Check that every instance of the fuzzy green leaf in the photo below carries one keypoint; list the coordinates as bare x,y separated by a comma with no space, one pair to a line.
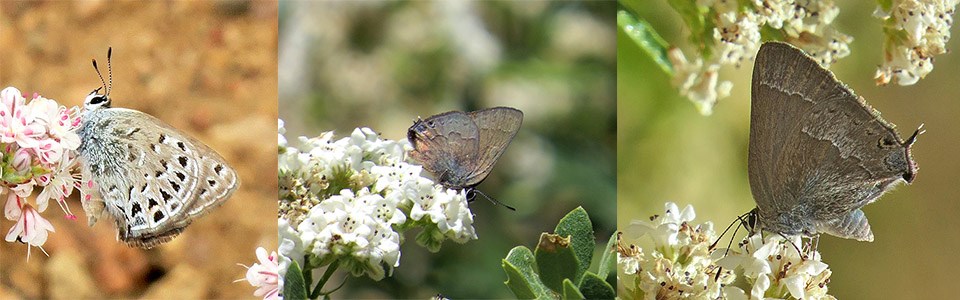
608,262
570,291
596,287
578,227
294,286
556,260
522,278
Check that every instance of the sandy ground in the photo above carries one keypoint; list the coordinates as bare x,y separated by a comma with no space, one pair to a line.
207,68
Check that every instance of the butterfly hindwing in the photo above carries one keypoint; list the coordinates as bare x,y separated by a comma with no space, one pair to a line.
152,178
497,127
818,152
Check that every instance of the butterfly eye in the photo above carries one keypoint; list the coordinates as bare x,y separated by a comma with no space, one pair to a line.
98,99
886,142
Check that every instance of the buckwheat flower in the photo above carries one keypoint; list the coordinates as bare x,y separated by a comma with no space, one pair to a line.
737,36
345,203
678,265
777,269
38,146
265,275
31,228
291,247
698,82
915,32
16,120
356,229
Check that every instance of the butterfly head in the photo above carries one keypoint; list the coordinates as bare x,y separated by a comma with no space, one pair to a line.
95,99
421,130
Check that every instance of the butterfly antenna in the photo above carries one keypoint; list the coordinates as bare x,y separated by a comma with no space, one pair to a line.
913,138
102,82
495,202
742,223
109,72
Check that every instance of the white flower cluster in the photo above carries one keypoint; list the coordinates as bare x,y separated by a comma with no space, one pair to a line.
349,200
679,264
915,30
682,265
776,268
804,23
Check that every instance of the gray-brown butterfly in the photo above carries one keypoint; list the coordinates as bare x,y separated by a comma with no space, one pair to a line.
818,152
460,148
151,178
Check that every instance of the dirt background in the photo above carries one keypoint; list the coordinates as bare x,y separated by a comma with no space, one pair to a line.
207,68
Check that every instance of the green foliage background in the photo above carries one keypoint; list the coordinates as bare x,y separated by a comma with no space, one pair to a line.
668,152
383,64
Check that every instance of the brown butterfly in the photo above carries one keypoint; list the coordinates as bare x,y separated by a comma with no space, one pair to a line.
460,148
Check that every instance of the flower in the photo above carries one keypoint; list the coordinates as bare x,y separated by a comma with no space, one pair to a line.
356,228
348,201
735,30
682,264
265,275
778,268
679,265
915,32
31,228
38,143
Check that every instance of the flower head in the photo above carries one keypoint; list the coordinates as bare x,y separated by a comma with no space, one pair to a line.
38,146
779,268
678,265
348,200
915,32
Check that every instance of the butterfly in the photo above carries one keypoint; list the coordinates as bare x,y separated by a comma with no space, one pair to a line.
460,148
153,179
818,152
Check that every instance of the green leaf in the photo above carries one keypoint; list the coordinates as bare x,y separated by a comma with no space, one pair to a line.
641,33
596,287
522,278
556,260
570,291
294,287
578,227
608,262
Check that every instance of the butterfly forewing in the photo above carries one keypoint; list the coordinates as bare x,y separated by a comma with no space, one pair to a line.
497,126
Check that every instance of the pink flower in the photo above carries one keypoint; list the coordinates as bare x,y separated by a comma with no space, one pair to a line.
265,276
30,229
58,185
12,208
17,120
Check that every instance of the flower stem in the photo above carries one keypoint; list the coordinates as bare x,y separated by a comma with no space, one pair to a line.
326,276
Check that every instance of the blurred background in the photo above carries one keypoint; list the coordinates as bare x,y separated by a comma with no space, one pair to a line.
669,152
383,64
207,68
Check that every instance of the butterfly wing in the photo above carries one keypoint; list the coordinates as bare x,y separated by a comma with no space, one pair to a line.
817,151
497,127
447,146
152,178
